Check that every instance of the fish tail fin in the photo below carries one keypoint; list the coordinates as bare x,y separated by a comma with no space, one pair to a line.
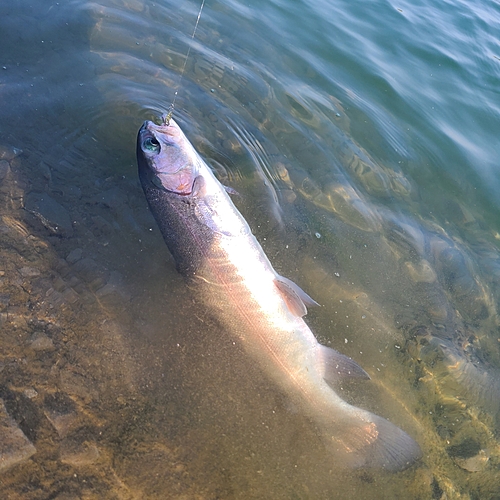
365,440
361,438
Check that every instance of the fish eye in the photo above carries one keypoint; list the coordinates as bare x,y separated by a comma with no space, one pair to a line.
151,144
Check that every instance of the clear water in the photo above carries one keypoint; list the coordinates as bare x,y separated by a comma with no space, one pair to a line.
363,140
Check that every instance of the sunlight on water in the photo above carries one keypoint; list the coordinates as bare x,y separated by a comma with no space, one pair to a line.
361,141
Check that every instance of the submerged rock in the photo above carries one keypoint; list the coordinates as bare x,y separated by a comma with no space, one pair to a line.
78,454
476,463
61,412
4,168
50,213
15,447
8,153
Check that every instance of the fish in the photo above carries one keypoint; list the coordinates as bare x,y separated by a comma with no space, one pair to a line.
216,251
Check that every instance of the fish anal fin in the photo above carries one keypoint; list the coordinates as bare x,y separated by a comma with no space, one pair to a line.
337,367
296,299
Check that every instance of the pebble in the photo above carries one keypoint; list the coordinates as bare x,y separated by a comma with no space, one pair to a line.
78,454
91,273
4,301
421,272
30,393
114,285
29,272
42,343
107,289
74,256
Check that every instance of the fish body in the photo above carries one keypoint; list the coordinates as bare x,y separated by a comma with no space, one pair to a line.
215,249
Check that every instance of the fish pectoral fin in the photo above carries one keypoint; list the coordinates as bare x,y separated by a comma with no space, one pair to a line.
199,186
295,298
337,367
205,212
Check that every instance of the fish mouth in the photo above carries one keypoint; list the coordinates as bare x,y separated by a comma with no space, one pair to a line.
168,126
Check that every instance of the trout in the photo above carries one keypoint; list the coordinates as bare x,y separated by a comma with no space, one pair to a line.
214,248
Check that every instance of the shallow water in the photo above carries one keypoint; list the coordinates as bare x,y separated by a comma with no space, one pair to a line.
362,138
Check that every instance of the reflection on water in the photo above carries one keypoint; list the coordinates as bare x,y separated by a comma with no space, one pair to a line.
113,382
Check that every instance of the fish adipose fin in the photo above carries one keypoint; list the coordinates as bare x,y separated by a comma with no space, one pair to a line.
365,440
337,367
295,298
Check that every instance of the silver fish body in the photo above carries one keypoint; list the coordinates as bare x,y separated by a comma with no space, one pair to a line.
214,247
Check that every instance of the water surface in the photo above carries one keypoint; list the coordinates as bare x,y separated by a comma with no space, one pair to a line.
363,140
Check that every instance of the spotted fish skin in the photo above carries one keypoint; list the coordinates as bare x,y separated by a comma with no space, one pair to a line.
216,251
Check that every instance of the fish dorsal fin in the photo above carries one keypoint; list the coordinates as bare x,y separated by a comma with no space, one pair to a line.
296,299
338,367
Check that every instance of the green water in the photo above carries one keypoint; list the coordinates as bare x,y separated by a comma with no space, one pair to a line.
362,138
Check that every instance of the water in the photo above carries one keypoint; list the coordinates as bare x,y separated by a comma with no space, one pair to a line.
362,138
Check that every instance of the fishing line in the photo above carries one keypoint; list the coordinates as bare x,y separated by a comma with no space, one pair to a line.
166,118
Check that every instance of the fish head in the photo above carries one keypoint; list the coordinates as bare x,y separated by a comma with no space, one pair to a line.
166,158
